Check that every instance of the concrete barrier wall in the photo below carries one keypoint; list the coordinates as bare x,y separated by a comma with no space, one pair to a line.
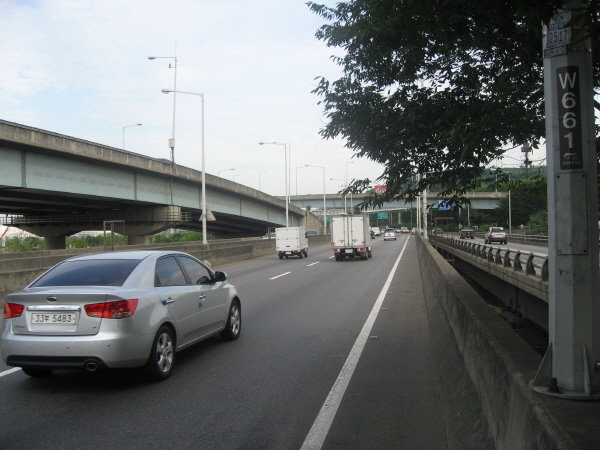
500,365
19,269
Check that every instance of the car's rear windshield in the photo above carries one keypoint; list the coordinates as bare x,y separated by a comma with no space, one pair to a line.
93,272
497,229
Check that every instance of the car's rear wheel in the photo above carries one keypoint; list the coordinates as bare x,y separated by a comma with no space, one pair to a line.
36,372
162,356
280,256
300,254
234,322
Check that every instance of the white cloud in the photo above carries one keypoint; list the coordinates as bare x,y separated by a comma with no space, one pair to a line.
81,69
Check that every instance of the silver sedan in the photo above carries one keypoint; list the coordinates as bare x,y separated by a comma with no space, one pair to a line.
114,310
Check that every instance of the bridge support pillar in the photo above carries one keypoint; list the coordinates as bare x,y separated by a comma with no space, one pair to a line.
138,240
54,242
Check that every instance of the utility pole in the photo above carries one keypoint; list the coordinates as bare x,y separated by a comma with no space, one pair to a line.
526,149
571,366
424,211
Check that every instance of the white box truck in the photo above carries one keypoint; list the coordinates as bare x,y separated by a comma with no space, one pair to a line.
291,241
351,237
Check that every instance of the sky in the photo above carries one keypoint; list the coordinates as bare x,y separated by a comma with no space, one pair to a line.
81,68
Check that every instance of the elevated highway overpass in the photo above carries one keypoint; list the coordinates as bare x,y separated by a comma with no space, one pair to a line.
54,186
479,200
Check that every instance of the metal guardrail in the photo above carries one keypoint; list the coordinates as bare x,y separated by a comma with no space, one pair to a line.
532,263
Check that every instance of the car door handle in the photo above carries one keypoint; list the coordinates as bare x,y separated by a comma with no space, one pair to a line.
168,301
202,296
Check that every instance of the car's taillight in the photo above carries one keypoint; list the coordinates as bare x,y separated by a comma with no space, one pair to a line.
112,310
335,250
12,310
362,249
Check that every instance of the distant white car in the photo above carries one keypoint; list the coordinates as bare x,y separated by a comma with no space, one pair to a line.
389,234
404,230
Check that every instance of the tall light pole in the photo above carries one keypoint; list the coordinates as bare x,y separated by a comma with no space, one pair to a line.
509,210
174,90
204,210
324,197
128,126
287,185
424,211
259,172
345,197
343,186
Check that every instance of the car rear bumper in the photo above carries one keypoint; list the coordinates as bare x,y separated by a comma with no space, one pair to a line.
108,349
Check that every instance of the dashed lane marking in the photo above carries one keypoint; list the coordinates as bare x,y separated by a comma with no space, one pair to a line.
279,275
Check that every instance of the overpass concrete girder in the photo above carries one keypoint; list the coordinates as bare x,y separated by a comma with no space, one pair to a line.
48,174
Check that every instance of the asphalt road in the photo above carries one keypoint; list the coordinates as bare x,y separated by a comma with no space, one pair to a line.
302,318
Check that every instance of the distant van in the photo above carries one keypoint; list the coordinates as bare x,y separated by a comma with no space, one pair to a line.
311,233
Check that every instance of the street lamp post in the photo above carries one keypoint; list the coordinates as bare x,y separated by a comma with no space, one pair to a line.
324,197
174,90
343,186
204,209
509,210
128,126
287,186
345,197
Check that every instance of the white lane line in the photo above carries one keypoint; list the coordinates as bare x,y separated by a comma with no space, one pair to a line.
9,371
279,275
308,265
318,432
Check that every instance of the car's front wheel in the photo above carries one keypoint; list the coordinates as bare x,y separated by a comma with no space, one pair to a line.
234,322
162,356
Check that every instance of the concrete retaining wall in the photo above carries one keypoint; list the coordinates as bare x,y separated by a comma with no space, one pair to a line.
500,365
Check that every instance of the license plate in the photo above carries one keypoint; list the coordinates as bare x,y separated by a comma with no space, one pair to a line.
54,318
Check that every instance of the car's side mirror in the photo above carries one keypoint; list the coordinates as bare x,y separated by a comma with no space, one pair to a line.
220,276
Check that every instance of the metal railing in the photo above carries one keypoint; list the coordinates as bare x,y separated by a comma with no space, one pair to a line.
531,263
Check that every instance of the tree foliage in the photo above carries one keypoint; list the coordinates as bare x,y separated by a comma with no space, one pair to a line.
527,198
26,244
437,87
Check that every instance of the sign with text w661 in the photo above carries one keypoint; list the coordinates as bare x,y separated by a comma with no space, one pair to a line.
569,118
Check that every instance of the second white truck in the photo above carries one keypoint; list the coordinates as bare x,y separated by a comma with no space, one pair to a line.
351,237
291,241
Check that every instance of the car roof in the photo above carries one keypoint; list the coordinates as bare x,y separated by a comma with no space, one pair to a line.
135,254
